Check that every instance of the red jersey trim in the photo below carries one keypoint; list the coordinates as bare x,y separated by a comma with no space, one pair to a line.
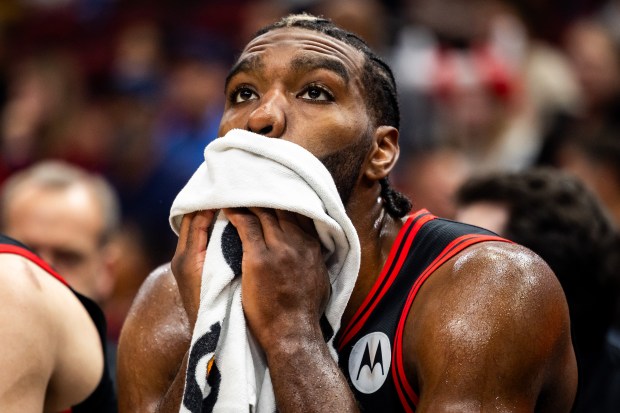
13,249
387,277
408,397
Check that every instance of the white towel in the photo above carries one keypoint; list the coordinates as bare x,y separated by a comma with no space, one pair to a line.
244,169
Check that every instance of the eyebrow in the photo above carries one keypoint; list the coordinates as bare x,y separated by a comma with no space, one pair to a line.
249,64
305,63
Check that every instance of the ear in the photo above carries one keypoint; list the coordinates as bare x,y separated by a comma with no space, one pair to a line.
110,256
384,153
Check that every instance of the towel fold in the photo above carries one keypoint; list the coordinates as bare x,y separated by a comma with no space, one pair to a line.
226,370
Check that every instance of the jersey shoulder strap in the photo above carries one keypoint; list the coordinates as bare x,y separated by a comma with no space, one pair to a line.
11,246
436,242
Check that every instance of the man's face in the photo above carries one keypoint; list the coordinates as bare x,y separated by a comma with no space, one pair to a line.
304,87
64,227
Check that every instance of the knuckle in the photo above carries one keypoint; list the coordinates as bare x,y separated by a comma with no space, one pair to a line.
257,262
312,250
261,263
286,252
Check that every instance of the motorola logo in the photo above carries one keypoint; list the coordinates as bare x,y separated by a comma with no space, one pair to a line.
369,362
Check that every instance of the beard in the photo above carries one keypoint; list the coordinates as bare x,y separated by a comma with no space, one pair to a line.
345,164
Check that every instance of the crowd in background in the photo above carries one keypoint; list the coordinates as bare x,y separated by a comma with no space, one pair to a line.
133,90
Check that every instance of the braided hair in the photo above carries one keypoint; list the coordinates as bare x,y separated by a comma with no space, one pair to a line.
379,91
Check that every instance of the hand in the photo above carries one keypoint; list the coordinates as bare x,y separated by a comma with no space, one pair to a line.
285,284
189,259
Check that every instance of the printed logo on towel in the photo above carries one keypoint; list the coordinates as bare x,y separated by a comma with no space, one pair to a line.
369,362
200,365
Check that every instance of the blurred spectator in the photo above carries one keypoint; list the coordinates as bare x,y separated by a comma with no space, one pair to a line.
137,65
548,19
69,218
593,56
490,85
597,164
553,214
45,93
595,59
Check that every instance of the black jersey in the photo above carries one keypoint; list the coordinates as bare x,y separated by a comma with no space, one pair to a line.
370,346
103,399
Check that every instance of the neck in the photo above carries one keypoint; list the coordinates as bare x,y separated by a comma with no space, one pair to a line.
377,231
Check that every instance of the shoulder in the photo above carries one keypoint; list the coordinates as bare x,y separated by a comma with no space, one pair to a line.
158,302
28,291
52,363
489,268
492,285
504,265
18,273
153,340
493,319
23,296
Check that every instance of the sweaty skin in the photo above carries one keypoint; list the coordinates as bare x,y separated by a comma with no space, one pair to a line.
491,329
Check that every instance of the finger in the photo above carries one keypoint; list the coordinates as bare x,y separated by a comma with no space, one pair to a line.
248,226
288,219
198,230
269,223
184,231
307,224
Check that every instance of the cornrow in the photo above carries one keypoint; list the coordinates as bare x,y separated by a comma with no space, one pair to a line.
379,92
396,204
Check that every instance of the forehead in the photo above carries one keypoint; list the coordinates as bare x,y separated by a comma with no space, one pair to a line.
302,44
46,216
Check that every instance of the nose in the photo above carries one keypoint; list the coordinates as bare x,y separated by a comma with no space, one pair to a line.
269,119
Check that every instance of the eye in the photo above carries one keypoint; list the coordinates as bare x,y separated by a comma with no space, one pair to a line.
242,94
316,93
68,259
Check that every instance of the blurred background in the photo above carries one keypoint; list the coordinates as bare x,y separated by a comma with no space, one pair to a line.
133,90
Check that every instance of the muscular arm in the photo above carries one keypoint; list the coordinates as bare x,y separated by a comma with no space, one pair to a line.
152,347
491,333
